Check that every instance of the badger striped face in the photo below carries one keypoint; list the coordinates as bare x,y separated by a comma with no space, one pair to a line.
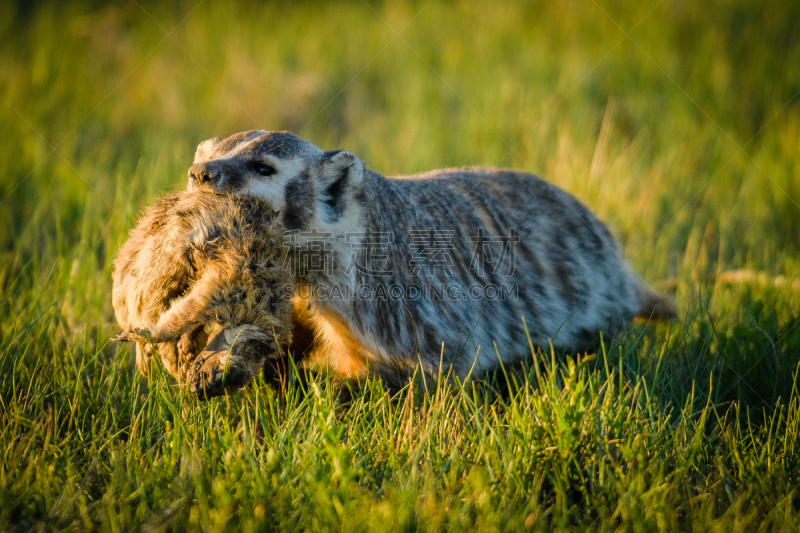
310,187
256,163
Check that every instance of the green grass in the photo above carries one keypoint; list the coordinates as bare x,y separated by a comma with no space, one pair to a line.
682,136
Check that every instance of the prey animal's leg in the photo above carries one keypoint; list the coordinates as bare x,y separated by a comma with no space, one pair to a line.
184,315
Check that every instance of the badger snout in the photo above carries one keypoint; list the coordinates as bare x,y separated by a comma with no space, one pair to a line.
203,173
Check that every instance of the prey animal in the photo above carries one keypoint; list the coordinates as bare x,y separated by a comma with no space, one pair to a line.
437,268
201,280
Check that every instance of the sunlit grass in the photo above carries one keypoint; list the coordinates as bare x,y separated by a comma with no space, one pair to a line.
683,136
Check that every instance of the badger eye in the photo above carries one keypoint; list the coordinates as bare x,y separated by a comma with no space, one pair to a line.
261,168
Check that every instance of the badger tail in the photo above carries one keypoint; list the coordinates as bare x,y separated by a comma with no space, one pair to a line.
654,306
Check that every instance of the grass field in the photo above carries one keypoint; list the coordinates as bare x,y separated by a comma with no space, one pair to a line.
677,122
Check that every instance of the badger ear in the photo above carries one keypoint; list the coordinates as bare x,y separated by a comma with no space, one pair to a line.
339,176
205,148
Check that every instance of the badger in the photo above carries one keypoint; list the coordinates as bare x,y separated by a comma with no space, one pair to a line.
201,280
445,269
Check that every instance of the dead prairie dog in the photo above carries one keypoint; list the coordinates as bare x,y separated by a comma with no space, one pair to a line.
204,262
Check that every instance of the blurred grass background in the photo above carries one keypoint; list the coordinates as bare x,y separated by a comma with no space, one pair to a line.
677,122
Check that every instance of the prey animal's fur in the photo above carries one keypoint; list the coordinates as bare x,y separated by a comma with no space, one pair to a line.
201,279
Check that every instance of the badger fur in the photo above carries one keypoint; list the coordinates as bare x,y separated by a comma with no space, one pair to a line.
562,269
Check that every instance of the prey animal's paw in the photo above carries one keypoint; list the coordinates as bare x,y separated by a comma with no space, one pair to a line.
133,335
190,345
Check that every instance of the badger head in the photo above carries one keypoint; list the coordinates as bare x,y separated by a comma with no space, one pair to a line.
310,187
